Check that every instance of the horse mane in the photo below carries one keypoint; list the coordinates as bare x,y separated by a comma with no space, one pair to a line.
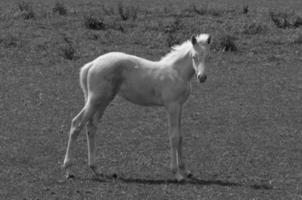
178,51
182,49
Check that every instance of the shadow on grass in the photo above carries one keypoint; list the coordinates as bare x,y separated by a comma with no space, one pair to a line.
191,180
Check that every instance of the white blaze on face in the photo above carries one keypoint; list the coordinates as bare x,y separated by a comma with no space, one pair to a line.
198,64
203,38
200,45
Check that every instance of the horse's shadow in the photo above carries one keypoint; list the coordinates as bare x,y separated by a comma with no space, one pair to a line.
192,180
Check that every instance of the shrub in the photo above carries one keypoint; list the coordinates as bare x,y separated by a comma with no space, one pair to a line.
68,52
298,39
67,49
59,8
26,10
24,6
93,36
285,20
172,40
205,10
245,9
224,42
94,23
174,26
127,12
10,41
123,12
254,28
108,11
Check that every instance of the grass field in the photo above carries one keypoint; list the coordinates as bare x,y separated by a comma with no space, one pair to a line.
242,128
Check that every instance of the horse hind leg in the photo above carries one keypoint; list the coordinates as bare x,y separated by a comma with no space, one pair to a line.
91,142
76,126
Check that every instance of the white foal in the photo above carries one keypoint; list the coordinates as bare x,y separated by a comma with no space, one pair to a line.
162,83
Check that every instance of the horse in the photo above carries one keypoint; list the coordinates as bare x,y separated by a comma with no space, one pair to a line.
165,83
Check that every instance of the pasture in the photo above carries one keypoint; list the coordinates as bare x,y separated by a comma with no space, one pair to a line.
242,128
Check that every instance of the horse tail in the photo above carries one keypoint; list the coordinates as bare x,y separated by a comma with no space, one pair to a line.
83,79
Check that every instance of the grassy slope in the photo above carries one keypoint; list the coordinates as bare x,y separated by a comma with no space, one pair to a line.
242,128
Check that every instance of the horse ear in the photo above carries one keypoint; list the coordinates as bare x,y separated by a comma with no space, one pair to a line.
209,39
193,40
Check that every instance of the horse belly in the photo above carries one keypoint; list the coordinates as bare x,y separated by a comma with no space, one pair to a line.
141,93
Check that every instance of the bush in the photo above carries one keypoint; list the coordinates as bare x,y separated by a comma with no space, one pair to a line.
24,6
68,52
67,48
173,26
254,28
205,10
108,11
10,41
245,9
298,39
26,10
285,20
94,23
59,8
172,40
224,42
127,12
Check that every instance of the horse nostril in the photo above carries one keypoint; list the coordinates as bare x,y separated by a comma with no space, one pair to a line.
202,78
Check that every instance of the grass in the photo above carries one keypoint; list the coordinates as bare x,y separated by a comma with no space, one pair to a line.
242,128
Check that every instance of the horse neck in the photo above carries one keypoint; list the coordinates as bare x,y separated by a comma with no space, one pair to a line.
184,66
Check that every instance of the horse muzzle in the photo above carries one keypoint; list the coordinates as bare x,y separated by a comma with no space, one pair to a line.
202,78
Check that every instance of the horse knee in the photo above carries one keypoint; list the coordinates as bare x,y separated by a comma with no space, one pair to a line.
182,166
173,169
74,134
75,129
175,140
91,128
66,163
92,166
180,140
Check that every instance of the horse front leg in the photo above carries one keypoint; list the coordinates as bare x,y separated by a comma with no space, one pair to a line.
76,126
181,163
75,129
91,143
174,116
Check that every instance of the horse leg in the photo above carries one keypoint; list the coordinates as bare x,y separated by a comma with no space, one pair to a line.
174,115
75,129
91,128
181,163
91,142
76,126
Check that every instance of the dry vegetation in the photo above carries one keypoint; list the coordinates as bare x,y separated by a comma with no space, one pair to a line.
242,128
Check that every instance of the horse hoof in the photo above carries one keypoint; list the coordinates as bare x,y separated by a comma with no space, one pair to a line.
96,172
179,178
69,176
114,176
189,174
